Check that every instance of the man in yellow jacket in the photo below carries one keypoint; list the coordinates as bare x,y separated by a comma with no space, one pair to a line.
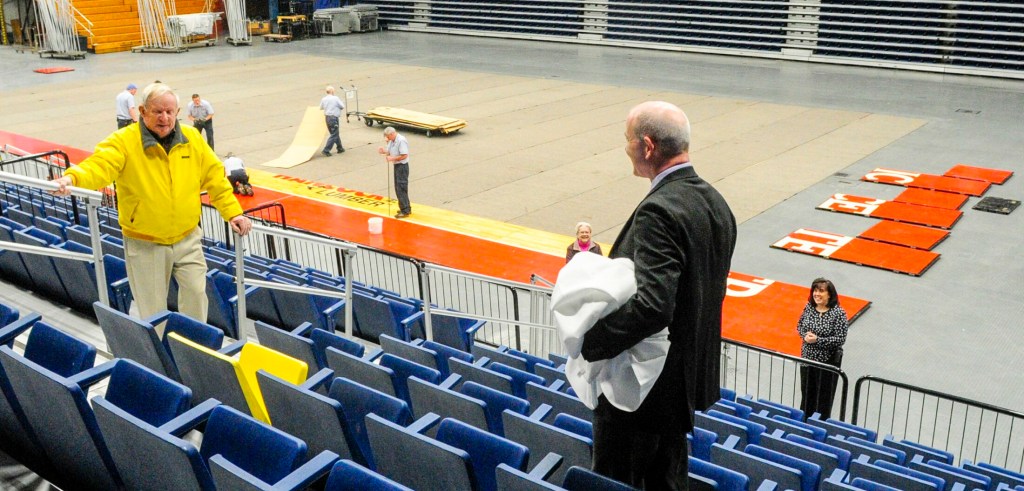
161,167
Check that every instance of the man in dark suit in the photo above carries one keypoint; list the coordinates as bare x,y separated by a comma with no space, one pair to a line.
681,239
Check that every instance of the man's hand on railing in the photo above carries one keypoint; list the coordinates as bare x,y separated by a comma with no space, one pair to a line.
64,184
241,225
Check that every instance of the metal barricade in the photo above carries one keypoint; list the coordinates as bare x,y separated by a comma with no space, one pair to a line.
970,430
497,301
261,234
771,375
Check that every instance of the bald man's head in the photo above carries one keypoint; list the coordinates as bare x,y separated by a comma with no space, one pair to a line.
657,137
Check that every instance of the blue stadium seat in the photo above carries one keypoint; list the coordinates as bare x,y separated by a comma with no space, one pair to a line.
374,316
532,361
756,468
914,450
323,339
415,460
953,475
699,441
135,339
429,398
810,473
476,373
519,378
512,479
583,479
315,419
774,424
350,476
894,475
445,353
721,427
726,479
858,447
16,434
542,438
57,410
818,433
357,401
11,264
560,402
842,455
500,355
557,359
826,462
758,406
45,278
363,371
551,374
754,430
999,476
835,427
486,451
404,370
495,403
292,343
575,425
223,300
414,353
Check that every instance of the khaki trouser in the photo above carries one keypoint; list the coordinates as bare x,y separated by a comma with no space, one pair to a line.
150,267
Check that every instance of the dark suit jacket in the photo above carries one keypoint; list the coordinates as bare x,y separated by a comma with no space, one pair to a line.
681,239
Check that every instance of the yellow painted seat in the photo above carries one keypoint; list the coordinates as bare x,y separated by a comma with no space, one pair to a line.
232,379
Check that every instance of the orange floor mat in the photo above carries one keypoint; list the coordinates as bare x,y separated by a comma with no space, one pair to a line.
934,199
764,312
927,181
994,176
858,251
891,210
54,69
905,234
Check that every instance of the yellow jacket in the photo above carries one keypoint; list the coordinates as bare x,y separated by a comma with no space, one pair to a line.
158,193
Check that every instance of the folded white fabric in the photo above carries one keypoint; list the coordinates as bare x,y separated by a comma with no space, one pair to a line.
590,287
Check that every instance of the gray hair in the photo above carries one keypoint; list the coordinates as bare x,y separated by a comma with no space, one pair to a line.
156,90
580,225
671,139
390,130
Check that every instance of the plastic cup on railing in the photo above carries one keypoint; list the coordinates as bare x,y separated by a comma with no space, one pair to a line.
375,225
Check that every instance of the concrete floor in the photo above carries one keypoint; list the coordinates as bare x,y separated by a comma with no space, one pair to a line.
544,145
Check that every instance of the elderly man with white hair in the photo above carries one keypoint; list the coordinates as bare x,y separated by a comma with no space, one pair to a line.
332,107
161,169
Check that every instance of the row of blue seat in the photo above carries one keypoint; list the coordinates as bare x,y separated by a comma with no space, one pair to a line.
763,441
144,413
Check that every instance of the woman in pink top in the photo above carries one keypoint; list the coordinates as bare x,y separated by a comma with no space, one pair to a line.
582,242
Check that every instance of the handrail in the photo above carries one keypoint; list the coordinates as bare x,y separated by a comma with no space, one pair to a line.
536,278
980,423
93,199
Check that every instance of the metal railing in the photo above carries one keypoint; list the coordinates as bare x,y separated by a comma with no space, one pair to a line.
347,251
771,375
968,429
92,200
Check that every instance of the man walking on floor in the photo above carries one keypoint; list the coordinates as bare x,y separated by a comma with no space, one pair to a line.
332,108
681,239
397,153
127,113
200,113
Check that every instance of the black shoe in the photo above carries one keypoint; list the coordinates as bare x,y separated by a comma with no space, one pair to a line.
341,150
326,153
402,215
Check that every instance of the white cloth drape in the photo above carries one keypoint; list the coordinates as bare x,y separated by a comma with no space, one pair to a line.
590,287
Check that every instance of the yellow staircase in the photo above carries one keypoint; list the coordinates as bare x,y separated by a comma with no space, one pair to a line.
115,23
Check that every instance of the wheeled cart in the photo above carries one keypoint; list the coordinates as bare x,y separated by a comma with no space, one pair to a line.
432,124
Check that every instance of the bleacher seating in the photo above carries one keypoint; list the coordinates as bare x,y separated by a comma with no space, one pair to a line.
542,438
350,476
357,401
